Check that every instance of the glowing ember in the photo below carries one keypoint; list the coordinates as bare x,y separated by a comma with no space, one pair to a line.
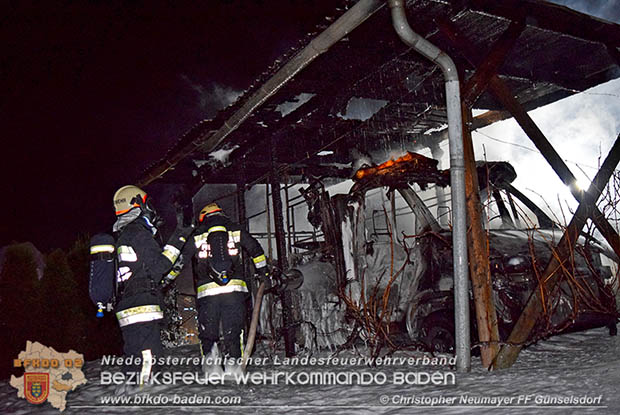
391,166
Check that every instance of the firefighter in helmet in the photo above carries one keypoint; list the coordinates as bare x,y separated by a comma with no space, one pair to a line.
142,265
221,289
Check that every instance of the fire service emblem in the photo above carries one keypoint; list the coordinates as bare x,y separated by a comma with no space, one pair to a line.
36,387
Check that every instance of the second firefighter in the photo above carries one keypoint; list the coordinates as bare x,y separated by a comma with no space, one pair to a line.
221,288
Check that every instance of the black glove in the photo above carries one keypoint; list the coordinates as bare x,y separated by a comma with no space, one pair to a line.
264,276
174,273
175,243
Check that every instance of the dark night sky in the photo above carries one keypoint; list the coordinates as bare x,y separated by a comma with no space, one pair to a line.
94,91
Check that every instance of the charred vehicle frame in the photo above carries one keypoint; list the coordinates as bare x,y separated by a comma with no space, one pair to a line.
382,283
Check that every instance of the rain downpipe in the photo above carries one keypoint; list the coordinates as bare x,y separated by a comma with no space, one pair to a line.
457,177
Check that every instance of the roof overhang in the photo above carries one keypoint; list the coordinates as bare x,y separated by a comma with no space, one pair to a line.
558,53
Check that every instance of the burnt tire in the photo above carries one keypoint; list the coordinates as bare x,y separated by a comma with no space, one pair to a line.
438,332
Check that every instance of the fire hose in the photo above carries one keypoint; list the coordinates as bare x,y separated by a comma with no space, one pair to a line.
294,279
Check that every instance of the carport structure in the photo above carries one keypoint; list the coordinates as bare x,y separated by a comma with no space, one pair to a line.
298,119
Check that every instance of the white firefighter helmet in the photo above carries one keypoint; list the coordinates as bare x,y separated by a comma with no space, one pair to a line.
128,197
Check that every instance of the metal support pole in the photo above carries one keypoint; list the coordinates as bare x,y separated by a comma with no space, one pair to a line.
293,229
268,223
457,177
289,230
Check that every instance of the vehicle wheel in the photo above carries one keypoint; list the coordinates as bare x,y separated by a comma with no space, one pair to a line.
438,332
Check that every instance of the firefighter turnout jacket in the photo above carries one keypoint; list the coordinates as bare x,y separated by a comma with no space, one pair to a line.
219,268
141,265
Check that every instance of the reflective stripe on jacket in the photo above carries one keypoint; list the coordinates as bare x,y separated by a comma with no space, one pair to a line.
139,314
217,247
142,263
213,288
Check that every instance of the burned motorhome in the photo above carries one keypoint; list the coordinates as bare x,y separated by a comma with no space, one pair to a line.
331,158
384,262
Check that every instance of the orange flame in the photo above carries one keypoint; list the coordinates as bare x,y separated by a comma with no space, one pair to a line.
361,173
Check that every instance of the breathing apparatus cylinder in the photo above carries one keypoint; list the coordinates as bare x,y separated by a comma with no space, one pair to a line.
102,276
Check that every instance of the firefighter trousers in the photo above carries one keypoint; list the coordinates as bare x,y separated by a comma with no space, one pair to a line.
229,309
142,340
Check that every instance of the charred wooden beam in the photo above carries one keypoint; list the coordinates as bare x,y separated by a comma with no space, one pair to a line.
243,221
293,145
477,83
480,271
209,140
504,95
554,159
278,220
549,278
479,121
489,118
255,173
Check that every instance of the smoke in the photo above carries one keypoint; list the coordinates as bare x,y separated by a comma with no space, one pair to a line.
360,159
213,97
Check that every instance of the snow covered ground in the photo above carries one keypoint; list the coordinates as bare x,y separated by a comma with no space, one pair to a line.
577,365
